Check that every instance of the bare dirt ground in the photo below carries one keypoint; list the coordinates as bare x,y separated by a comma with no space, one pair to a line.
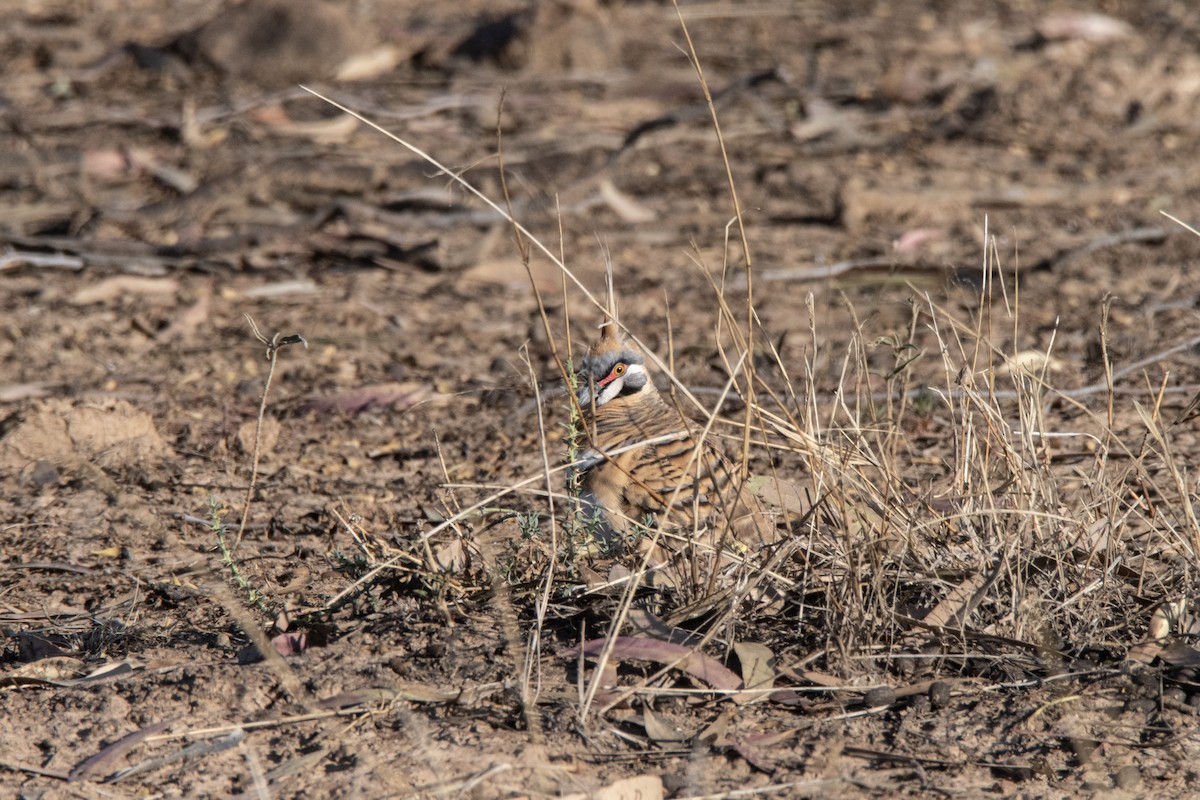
973,622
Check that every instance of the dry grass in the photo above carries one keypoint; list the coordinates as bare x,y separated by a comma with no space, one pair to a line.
1030,553
1030,547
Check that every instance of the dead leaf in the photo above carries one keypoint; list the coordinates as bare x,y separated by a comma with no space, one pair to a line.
779,493
1180,654
185,323
120,286
758,668
1173,618
176,178
1144,652
95,764
951,612
624,206
1031,362
658,730
46,670
754,757
15,392
32,647
334,130
696,663
365,398
109,164
1088,27
292,643
640,787
510,273
111,668
451,557
913,240
641,622
270,291
371,64
715,731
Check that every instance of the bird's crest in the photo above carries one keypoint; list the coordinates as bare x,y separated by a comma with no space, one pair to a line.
611,338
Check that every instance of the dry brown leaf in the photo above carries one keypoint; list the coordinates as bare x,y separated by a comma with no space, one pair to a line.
334,130
1180,654
952,611
371,64
779,493
451,557
659,730
624,206
1173,618
696,663
47,670
915,239
95,764
270,291
23,391
640,787
1144,652
510,273
758,668
365,398
110,164
120,286
745,748
185,323
174,177
715,731
292,643
1088,27
1031,362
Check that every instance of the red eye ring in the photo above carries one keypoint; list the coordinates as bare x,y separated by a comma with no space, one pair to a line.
615,373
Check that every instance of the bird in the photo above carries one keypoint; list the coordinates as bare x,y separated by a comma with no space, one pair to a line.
646,471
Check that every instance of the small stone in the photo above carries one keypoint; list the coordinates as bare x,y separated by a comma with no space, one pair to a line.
1140,705
939,694
43,474
1147,679
1128,777
1096,782
880,696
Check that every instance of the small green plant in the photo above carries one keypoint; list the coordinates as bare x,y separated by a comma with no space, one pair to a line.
581,522
217,526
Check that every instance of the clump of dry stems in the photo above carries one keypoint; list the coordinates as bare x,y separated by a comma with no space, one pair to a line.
1020,546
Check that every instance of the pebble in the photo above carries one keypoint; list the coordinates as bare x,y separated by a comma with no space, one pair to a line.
880,696
1140,705
939,694
1128,777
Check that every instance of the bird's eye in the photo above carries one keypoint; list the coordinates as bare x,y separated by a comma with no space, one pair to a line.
618,370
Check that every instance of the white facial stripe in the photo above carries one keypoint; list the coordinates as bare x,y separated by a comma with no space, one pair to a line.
614,388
